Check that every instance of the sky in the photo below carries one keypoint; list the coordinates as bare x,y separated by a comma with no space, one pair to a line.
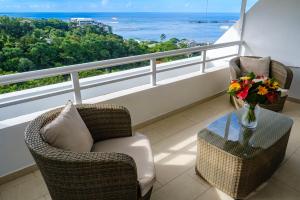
121,5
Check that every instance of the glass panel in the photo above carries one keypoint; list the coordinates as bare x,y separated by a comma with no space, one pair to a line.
227,133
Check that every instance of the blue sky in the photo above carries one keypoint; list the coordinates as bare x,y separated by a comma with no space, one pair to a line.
120,5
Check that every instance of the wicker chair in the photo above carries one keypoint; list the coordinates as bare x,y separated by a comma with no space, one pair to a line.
280,72
89,175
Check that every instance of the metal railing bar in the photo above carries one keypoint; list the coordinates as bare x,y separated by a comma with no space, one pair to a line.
178,67
114,80
36,97
220,58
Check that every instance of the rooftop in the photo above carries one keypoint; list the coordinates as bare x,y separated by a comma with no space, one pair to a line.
173,140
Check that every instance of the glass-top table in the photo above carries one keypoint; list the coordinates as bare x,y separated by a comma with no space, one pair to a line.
229,135
237,160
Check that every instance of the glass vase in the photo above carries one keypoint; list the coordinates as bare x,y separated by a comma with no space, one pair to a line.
250,115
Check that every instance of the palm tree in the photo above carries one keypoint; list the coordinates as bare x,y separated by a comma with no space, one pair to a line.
163,37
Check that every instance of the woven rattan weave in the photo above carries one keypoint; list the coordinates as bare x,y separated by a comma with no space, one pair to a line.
237,160
90,175
282,73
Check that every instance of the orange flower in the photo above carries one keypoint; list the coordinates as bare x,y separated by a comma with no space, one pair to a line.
262,90
234,86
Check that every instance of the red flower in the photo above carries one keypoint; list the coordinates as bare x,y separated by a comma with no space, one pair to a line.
243,94
272,97
247,82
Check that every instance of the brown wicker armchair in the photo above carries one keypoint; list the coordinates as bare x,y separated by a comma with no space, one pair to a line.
280,72
89,175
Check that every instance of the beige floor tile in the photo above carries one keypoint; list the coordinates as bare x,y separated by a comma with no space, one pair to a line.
153,135
183,187
214,194
172,166
294,140
173,125
176,154
292,109
156,186
289,172
47,197
271,190
31,189
16,182
210,110
179,141
165,128
275,190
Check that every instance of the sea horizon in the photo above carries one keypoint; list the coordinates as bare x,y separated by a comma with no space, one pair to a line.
114,12
194,26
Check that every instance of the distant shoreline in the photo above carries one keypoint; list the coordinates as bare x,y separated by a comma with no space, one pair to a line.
148,26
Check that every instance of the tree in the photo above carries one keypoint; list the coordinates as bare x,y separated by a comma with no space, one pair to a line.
163,37
25,65
1,44
43,55
33,44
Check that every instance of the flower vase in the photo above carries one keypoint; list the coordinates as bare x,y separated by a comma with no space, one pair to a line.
250,115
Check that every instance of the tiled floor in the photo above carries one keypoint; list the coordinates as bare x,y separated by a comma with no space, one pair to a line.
174,144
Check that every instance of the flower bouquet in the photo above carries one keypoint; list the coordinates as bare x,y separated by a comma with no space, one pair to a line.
254,90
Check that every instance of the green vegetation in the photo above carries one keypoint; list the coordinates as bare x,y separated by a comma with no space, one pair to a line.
27,44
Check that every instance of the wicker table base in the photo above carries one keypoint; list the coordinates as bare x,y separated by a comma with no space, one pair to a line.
238,167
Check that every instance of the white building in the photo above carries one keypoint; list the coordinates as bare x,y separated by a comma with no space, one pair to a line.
90,21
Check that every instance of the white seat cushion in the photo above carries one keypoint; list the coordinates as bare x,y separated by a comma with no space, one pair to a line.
138,147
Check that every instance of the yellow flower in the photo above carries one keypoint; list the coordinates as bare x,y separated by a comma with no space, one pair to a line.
275,85
262,90
245,78
234,86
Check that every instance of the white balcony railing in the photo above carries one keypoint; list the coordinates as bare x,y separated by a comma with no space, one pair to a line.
73,70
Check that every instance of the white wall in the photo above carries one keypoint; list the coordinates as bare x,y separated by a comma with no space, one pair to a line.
272,28
144,103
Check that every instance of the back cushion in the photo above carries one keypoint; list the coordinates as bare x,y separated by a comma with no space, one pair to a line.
68,131
260,67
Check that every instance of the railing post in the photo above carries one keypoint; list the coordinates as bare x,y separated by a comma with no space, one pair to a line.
203,61
242,24
153,70
76,88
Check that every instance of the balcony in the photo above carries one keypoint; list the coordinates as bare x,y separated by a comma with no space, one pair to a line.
137,89
169,102
173,140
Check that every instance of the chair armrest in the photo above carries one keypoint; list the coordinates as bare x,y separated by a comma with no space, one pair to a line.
91,175
282,73
106,121
87,175
235,71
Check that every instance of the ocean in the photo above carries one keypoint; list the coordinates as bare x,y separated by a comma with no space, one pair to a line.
199,27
